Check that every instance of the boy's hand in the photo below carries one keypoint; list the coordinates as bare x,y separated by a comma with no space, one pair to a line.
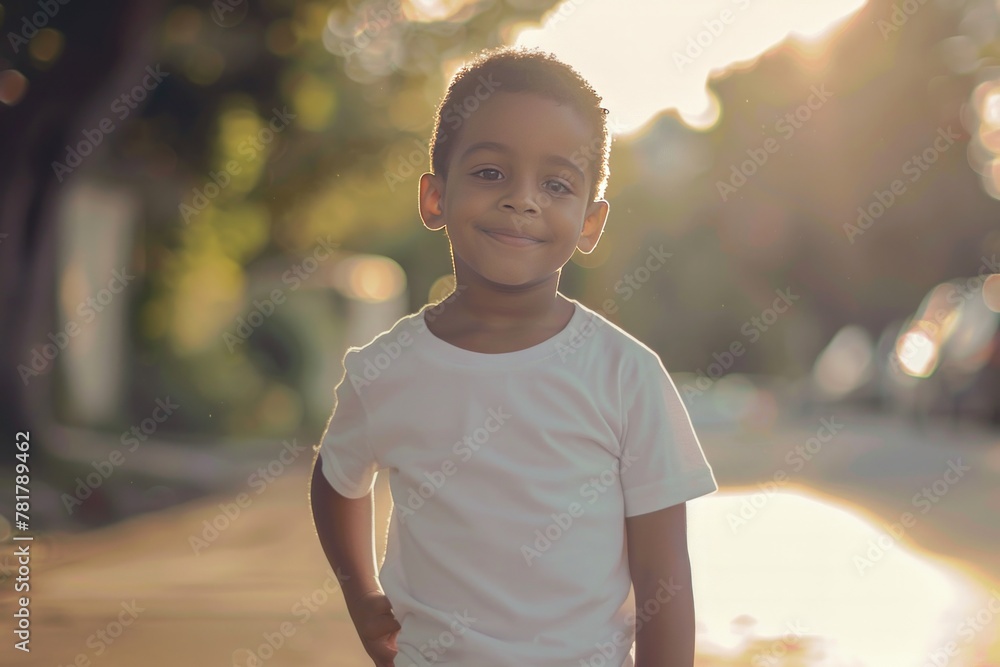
377,626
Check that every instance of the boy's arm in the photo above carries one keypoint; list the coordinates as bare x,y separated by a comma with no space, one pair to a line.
661,575
345,527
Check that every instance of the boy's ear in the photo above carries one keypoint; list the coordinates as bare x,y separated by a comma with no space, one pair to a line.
431,202
593,226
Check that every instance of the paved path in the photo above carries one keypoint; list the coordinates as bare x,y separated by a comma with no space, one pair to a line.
882,468
262,579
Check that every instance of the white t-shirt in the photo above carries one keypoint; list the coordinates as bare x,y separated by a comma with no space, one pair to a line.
511,476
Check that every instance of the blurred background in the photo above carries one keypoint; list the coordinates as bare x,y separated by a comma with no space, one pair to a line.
203,204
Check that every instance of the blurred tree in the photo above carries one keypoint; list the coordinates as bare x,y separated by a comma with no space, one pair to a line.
345,92
87,50
342,87
886,94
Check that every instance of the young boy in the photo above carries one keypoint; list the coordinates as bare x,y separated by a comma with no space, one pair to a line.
539,457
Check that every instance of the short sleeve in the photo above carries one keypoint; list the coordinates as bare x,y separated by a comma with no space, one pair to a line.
662,463
347,460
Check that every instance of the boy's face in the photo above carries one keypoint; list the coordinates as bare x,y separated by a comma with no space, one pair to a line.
514,204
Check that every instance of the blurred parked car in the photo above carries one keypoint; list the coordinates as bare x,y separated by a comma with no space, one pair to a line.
945,358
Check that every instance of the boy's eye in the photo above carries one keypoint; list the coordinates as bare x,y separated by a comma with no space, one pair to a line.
489,174
558,187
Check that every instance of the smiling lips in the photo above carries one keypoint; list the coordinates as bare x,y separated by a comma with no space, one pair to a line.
509,237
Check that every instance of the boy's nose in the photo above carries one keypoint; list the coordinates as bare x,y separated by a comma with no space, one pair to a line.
521,201
524,207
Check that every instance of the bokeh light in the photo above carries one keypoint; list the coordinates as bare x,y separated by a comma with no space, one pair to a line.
13,87
46,47
918,353
991,292
846,363
369,278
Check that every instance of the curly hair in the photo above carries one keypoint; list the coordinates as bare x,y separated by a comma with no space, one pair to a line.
517,70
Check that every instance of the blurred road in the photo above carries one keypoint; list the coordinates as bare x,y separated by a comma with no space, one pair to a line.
240,579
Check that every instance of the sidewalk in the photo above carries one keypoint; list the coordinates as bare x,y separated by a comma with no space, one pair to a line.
221,579
263,575
885,469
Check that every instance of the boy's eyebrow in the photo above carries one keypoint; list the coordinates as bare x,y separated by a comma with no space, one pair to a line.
501,148
485,145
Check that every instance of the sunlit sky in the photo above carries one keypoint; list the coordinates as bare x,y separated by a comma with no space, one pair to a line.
644,57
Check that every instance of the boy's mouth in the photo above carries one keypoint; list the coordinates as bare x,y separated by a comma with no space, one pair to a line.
511,237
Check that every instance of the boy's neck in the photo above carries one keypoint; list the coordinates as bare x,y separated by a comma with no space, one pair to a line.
508,309
480,318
